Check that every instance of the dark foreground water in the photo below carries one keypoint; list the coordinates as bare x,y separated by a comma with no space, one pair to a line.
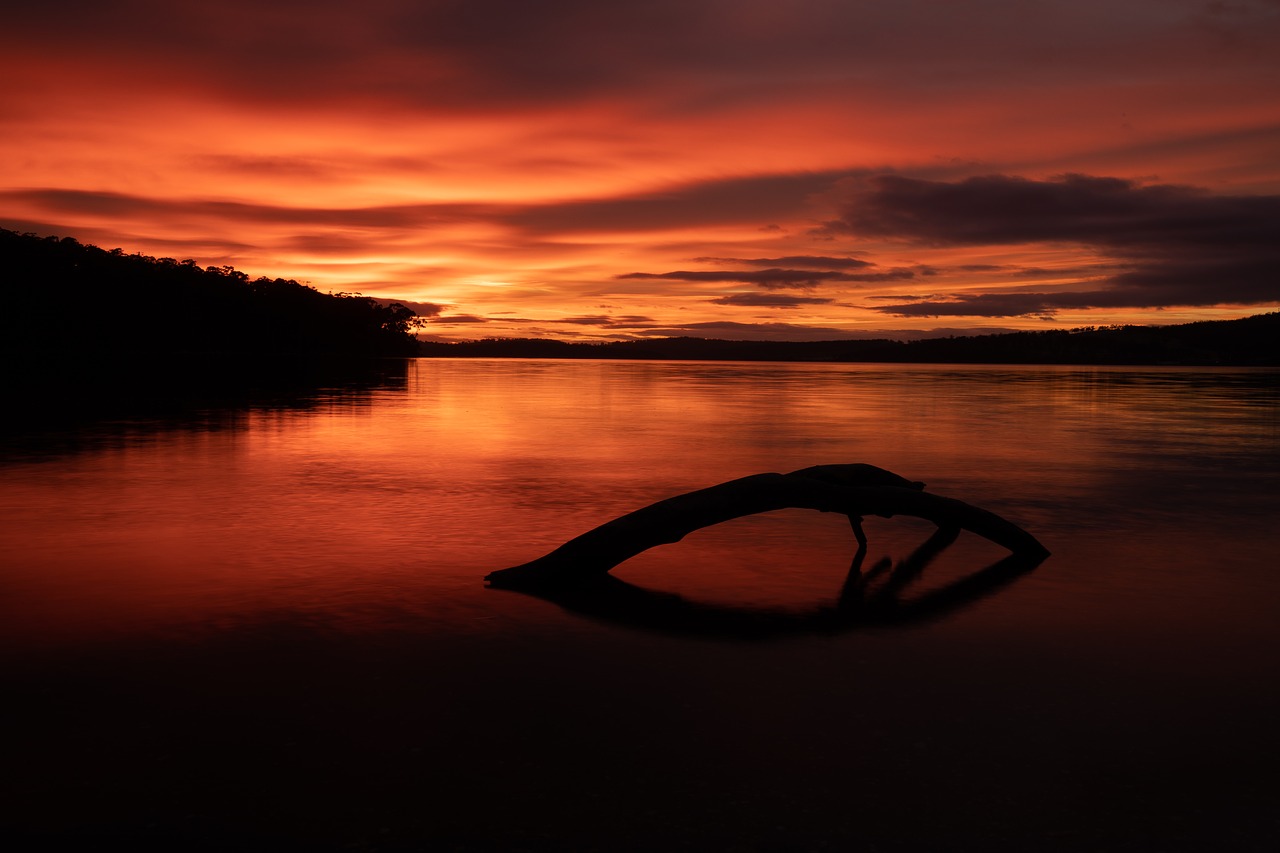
265,627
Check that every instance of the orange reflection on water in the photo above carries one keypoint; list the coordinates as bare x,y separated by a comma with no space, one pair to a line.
358,507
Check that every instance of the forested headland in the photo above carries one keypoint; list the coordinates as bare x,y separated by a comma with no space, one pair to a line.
86,331
62,296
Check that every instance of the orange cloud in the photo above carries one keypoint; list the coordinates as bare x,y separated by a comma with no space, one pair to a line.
575,163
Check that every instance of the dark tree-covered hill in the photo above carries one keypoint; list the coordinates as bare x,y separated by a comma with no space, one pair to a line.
65,299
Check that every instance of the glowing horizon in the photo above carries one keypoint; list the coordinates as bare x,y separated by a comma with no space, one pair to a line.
724,169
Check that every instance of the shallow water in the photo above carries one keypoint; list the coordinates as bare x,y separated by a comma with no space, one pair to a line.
304,581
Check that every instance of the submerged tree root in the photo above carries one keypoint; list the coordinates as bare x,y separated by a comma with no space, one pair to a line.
851,490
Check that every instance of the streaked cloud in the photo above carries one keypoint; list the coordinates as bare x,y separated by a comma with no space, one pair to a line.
802,261
769,300
774,279
730,330
594,164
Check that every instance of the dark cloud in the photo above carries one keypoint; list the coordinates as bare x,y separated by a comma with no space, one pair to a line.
801,261
979,305
311,170
769,300
123,205
607,321
637,328
459,319
1062,272
476,54
591,320
322,245
732,331
461,56
207,249
514,50
1172,245
603,321
728,330
744,200
774,279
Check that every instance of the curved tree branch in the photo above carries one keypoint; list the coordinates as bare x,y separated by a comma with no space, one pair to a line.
852,490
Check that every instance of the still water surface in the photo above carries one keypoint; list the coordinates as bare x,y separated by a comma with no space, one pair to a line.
1146,642
403,497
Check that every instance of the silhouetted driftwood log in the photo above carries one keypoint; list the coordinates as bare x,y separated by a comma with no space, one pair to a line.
851,490
873,599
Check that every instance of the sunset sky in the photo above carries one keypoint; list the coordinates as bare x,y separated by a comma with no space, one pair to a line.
592,170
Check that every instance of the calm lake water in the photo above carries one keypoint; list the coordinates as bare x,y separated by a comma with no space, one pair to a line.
267,626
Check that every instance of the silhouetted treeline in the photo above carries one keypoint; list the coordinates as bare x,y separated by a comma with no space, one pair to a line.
1249,341
88,334
64,298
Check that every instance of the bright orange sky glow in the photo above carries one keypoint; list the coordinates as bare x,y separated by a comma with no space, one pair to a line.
722,168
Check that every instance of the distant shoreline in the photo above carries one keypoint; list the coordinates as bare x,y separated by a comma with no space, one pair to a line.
1247,342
